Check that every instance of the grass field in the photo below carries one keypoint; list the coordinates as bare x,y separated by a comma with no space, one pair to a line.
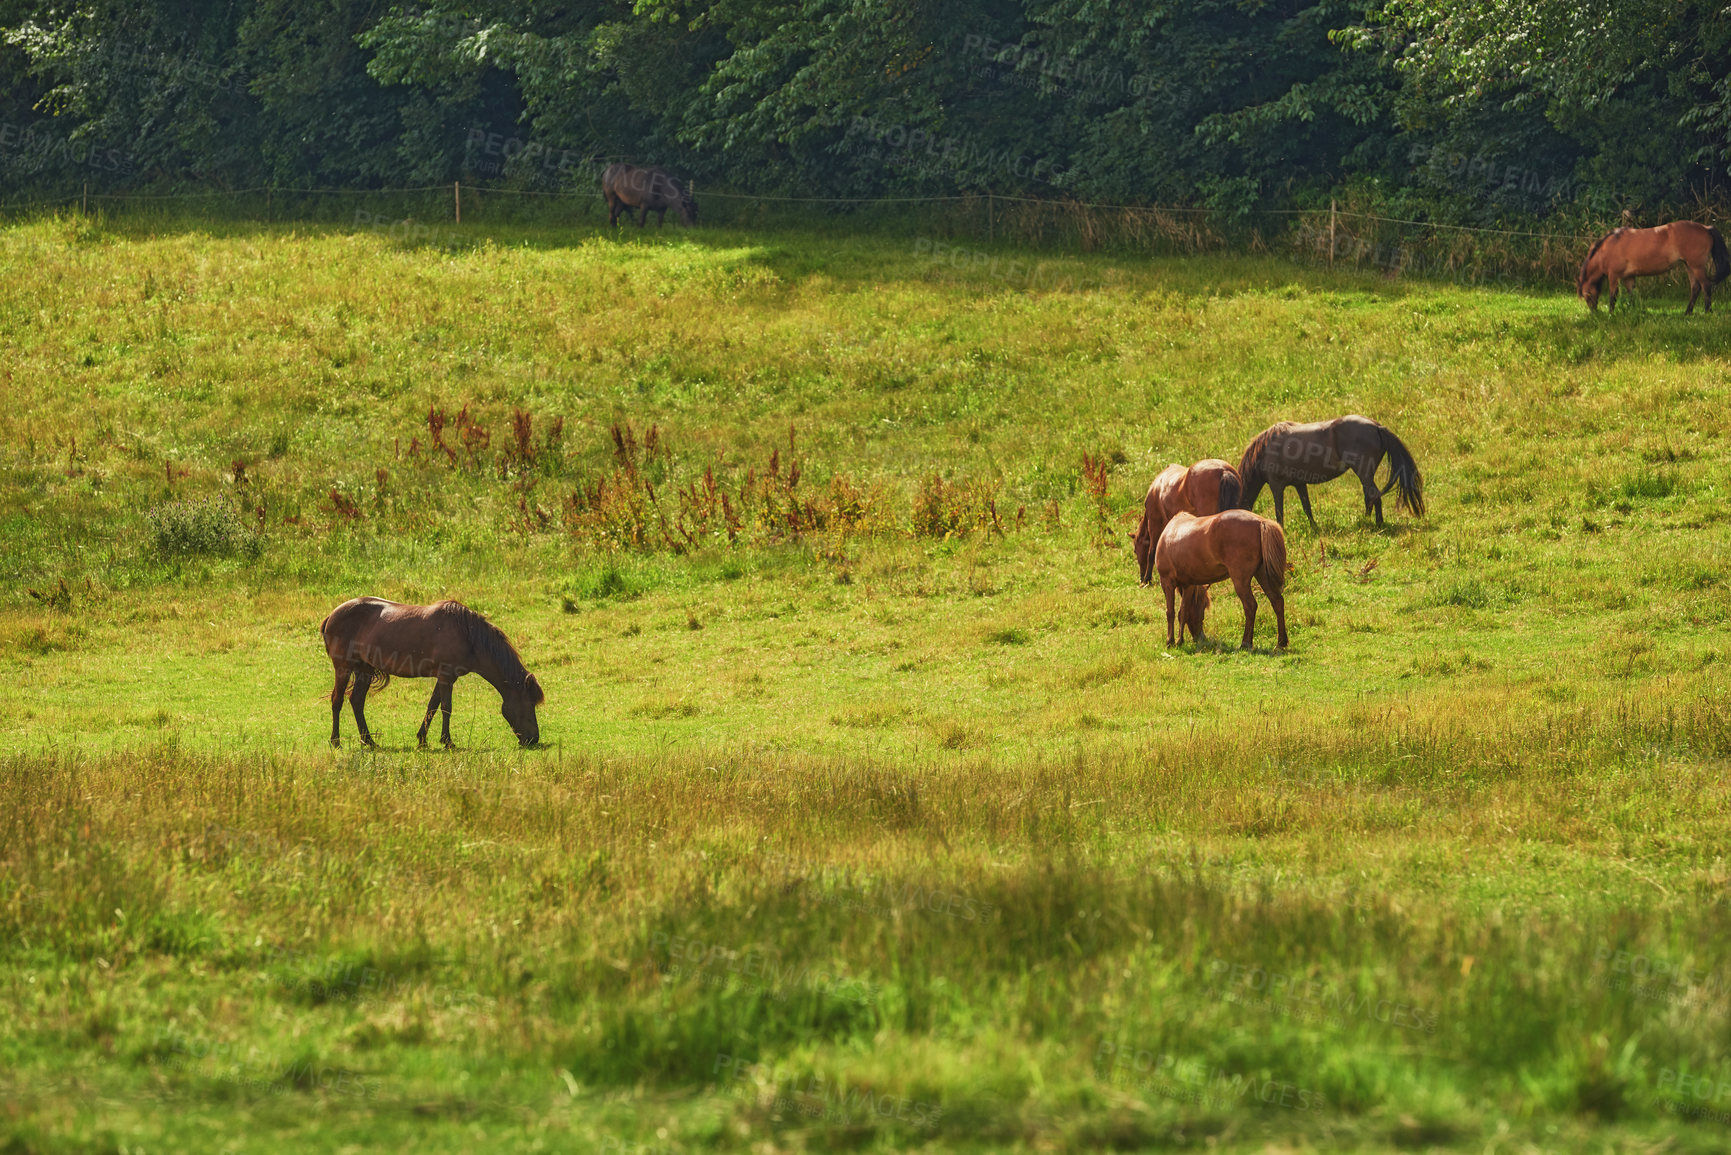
872,810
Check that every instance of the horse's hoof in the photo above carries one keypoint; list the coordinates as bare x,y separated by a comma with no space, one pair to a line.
336,744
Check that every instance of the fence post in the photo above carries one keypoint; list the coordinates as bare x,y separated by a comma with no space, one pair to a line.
1331,231
457,198
991,219
86,209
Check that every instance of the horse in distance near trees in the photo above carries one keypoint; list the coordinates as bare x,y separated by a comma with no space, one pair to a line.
371,640
1195,552
1302,455
1623,254
647,189
1204,488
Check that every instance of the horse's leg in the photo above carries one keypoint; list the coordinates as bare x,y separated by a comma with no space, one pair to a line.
1694,291
342,688
1168,589
1279,502
358,700
661,219
643,216
432,706
1304,500
445,725
1242,585
1373,495
1611,304
1277,600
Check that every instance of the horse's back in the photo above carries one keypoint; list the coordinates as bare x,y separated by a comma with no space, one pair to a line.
647,185
1231,521
1164,483
1202,484
1310,429
620,178
1180,528
412,635
1642,252
362,613
1187,553
352,611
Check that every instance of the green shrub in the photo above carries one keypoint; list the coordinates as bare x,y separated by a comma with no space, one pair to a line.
208,528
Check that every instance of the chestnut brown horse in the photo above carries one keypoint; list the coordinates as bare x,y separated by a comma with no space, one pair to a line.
1206,487
1195,552
1623,254
1303,455
651,190
372,639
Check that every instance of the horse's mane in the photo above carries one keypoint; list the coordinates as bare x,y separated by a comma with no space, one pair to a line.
1251,462
490,640
1599,244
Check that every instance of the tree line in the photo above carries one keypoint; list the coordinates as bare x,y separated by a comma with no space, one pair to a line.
1454,110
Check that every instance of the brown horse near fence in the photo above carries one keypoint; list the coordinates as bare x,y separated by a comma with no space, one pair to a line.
1195,552
651,190
1623,254
371,639
1303,455
1203,489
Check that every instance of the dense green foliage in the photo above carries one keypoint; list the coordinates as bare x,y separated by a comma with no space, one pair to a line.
1466,112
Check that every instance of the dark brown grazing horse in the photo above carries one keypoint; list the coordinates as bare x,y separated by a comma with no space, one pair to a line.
1304,455
652,190
1195,552
1622,254
1206,487
373,639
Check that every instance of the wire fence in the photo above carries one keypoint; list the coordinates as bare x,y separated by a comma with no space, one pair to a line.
1339,237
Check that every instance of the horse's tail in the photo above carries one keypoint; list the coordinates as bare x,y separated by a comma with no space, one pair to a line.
1721,258
1272,572
1231,489
1403,472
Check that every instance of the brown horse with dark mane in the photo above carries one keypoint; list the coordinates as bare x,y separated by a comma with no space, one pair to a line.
1205,488
649,189
372,639
1304,455
1623,254
1195,552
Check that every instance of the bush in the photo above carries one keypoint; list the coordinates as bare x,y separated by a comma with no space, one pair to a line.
208,528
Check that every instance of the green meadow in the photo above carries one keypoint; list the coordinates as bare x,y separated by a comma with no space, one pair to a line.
872,810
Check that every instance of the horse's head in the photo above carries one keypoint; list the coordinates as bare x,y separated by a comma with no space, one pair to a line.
1587,288
687,206
1143,540
1196,601
519,711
